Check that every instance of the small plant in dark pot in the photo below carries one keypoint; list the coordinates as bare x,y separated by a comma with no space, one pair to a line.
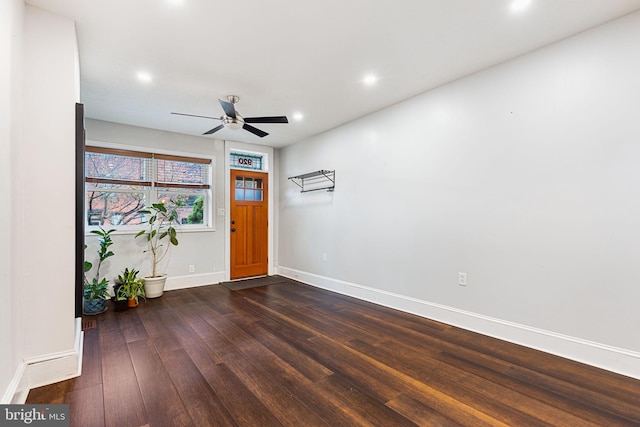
160,235
96,290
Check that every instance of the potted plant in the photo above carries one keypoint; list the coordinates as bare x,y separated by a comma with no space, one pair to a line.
129,287
119,298
160,235
96,290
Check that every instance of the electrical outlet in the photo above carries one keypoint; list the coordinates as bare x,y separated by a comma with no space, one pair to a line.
462,279
324,257
192,268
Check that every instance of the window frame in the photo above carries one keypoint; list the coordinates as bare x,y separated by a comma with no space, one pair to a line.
154,188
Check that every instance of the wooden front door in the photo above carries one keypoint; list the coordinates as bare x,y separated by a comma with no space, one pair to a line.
249,223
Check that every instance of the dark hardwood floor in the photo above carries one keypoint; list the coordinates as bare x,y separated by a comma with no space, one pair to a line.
290,354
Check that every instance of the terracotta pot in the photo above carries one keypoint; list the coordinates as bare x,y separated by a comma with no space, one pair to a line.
132,302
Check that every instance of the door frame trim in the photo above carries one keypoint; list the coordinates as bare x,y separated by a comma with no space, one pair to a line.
268,168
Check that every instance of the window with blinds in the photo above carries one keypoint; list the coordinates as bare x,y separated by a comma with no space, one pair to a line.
120,183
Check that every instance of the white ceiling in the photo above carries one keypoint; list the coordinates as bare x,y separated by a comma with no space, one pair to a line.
287,56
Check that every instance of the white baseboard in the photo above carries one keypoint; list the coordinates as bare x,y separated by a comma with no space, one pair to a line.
18,387
193,280
622,361
46,369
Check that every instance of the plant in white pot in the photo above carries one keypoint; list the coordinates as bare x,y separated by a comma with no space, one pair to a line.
160,235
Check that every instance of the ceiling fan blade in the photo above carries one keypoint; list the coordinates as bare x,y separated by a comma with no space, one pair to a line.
228,108
194,115
275,119
254,131
215,129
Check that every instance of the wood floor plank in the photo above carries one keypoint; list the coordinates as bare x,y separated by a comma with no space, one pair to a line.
296,330
455,399
289,354
162,402
585,395
130,326
373,378
318,321
217,297
335,357
272,391
389,317
214,344
363,408
283,383
470,362
581,375
425,415
123,405
91,367
486,396
53,393
269,385
245,407
283,349
201,401
154,321
108,322
85,407
199,349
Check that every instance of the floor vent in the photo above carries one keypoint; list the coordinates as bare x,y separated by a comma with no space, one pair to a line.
88,324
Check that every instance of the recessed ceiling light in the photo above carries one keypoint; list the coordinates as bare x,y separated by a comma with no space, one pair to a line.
144,77
298,116
370,80
175,2
520,5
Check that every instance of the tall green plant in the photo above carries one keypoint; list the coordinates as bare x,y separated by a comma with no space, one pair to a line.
159,227
98,287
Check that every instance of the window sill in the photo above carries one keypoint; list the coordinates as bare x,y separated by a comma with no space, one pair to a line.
133,231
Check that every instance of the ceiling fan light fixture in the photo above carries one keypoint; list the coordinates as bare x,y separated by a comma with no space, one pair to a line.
231,123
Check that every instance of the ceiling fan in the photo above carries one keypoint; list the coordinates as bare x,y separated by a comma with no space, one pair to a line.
231,119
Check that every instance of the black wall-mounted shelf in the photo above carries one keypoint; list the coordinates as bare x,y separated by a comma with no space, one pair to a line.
315,181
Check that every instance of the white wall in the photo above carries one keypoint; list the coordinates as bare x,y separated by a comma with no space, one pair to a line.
40,77
204,250
11,17
525,176
45,182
